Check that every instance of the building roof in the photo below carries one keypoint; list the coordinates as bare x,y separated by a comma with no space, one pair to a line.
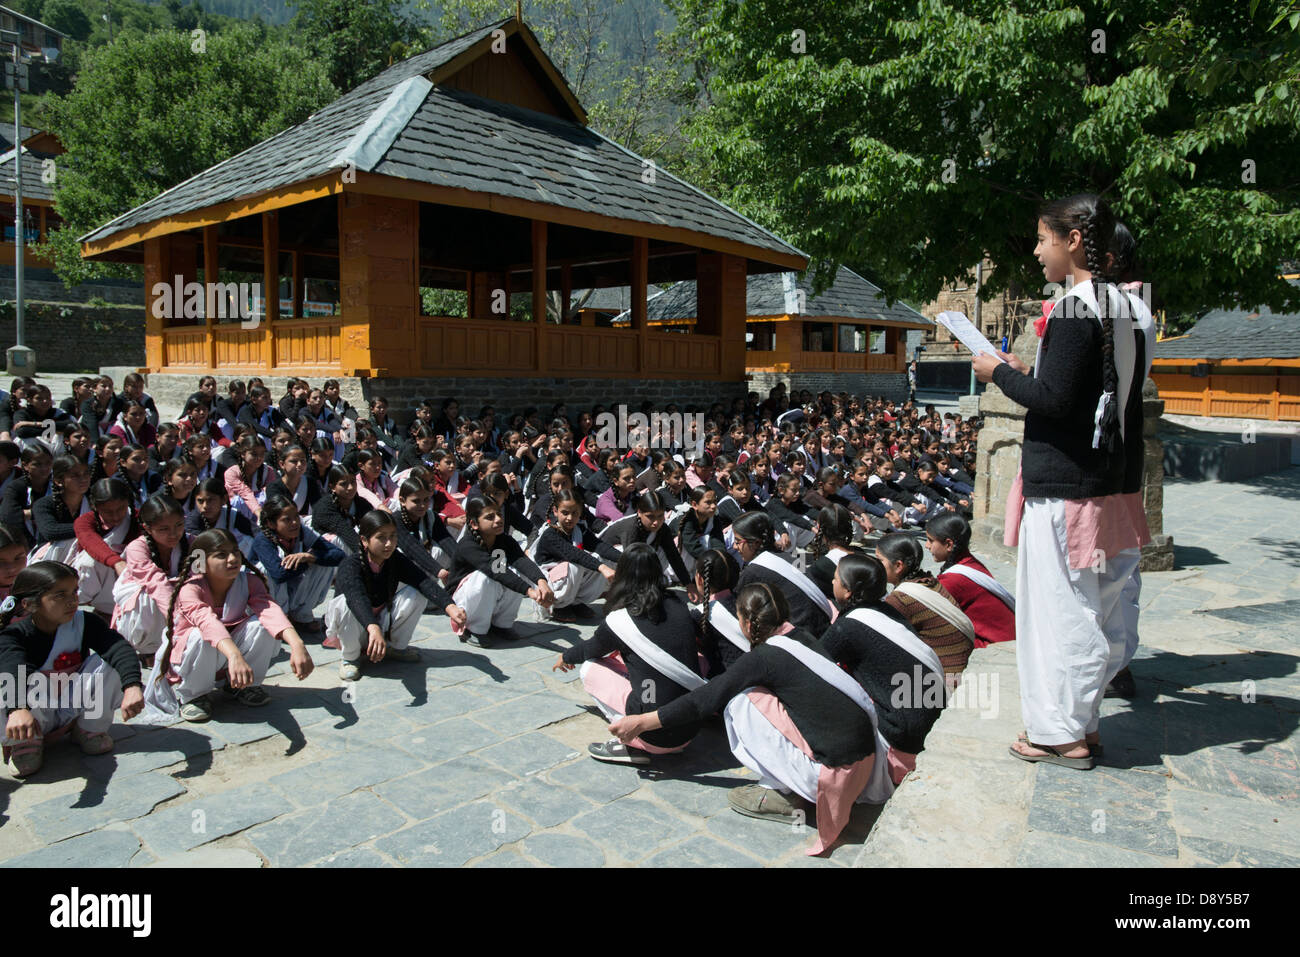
399,124
612,298
22,16
1238,334
777,294
33,187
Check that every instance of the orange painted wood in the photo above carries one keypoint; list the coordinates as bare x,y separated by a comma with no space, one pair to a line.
578,351
484,347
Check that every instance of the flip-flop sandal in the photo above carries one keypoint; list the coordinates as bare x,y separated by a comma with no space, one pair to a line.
1053,756
1097,749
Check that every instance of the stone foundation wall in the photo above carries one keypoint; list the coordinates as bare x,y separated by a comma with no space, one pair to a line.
68,337
890,385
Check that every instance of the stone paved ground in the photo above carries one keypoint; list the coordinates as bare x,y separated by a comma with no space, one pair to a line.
1201,769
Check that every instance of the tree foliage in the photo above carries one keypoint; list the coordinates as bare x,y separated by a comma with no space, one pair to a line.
912,138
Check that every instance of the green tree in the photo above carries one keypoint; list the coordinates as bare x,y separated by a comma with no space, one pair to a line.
357,40
148,112
67,16
906,139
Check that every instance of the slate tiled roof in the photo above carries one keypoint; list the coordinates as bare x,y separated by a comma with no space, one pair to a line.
611,299
33,188
1238,334
458,139
773,294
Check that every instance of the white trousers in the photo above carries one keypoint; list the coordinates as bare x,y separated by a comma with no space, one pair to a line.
1071,627
1129,608
759,746
487,604
573,584
144,625
100,694
199,667
95,582
300,599
404,618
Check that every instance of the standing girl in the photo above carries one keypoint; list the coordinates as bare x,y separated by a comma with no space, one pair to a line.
381,595
222,622
297,562
491,576
41,629
143,590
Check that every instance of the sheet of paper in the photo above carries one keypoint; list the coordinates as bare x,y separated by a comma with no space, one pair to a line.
966,333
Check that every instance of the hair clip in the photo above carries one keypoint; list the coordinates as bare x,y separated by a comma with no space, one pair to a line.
8,604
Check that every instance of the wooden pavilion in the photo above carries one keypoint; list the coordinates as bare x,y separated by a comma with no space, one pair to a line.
468,167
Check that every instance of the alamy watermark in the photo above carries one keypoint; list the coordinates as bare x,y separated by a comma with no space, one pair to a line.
926,688
54,691
658,430
197,300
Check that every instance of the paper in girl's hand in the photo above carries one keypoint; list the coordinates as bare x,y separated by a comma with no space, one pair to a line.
966,333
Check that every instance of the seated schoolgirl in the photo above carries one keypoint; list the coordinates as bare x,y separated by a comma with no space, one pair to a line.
833,541
380,596
13,558
196,419
54,515
793,716
616,501
753,538
222,630
419,449
739,498
198,453
877,645
990,607
298,563
447,480
927,605
701,527
796,464
296,483
374,485
211,510
720,640
103,534
42,629
322,460
246,482
338,513
792,520
491,575
658,662
165,448
495,486
142,592
135,472
34,424
577,563
421,535
647,526
179,480
22,491
673,490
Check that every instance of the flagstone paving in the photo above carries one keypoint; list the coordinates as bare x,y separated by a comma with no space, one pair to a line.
479,757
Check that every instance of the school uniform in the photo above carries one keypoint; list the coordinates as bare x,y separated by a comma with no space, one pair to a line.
428,543
103,663
56,535
158,461
190,665
99,551
697,537
98,421
248,494
231,520
142,594
141,489
490,585
1071,510
657,664
339,526
809,608
572,563
28,436
610,508
990,607
627,530
18,497
801,723
305,498
392,596
298,590
263,425
822,571
721,640
146,400
145,437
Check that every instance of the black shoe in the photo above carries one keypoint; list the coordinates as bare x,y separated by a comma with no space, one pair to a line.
615,752
1122,686
504,634
478,641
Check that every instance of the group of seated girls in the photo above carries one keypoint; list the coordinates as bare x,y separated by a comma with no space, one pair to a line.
770,638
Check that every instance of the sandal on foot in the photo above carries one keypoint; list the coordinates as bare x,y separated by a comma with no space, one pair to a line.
1054,756
92,742
1095,747
765,804
616,752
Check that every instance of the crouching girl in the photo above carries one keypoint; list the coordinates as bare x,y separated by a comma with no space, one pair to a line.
642,656
143,591
224,626
381,596
42,630
578,564
793,716
299,563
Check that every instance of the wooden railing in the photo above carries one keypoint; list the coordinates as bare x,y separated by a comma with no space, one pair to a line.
771,360
1270,396
300,346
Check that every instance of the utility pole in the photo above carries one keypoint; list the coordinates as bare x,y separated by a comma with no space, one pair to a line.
20,359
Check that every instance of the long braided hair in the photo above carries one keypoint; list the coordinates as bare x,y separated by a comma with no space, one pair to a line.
898,547
834,527
275,506
1092,216
766,608
718,571
417,527
153,510
371,523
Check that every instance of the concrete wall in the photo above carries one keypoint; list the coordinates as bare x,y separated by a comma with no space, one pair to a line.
890,385
77,338
44,286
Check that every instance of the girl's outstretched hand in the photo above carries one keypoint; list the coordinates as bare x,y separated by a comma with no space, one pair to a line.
132,702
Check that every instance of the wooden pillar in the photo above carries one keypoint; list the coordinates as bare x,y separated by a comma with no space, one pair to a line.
484,284
211,275
297,284
379,283
42,209
720,290
539,293
566,292
638,274
270,285
156,270
893,342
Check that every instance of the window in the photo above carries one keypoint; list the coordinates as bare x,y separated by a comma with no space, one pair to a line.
819,337
760,336
853,337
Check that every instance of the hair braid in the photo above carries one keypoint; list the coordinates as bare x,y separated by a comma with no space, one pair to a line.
1096,260
705,576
